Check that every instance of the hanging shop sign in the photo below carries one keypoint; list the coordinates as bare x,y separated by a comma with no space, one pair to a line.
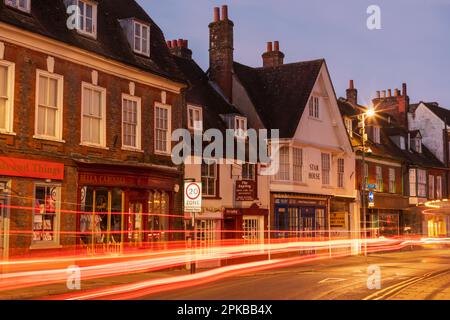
31,169
245,190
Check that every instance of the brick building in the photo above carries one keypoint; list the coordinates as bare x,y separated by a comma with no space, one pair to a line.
85,128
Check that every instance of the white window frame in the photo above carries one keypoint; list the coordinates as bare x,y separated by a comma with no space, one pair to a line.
16,4
240,127
392,181
9,112
421,183
349,126
377,134
379,178
169,128
196,125
314,107
57,220
431,187
285,174
92,34
138,100
439,187
60,107
145,52
341,173
297,164
412,182
208,164
249,171
102,144
326,169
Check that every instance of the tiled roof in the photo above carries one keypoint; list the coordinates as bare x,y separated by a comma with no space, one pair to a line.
442,113
280,94
49,18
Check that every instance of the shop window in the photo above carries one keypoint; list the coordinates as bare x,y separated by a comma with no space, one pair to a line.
430,187
195,118
46,214
422,183
93,124
341,170
412,183
209,178
379,176
439,187
158,220
392,181
49,105
284,169
298,164
22,5
162,129
131,122
6,96
141,38
248,171
205,231
326,168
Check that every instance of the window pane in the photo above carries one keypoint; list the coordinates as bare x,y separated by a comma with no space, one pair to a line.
95,131
2,113
53,92
51,122
41,121
43,90
44,216
3,81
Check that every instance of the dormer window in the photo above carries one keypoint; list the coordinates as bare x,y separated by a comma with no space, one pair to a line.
88,18
195,118
416,143
23,5
240,127
141,38
402,143
376,135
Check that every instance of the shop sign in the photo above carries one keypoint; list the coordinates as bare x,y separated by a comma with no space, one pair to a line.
314,173
193,197
232,212
301,202
31,169
245,190
337,220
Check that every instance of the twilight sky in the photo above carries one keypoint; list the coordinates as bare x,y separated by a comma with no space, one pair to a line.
413,45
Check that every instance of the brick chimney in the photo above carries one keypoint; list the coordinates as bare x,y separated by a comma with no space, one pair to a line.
221,49
180,48
396,105
273,57
352,93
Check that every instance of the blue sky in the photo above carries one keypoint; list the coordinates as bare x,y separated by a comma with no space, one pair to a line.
413,45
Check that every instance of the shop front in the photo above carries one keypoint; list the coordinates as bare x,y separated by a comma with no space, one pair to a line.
300,216
128,207
340,217
248,224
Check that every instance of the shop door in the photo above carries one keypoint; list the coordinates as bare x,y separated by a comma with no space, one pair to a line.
281,222
136,222
3,229
308,222
253,231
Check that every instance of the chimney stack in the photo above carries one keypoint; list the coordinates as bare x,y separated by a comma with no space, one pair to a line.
221,51
273,57
378,94
405,89
352,93
396,92
390,93
180,48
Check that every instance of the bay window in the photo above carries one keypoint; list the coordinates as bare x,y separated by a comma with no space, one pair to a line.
326,168
6,96
93,123
162,128
341,170
49,106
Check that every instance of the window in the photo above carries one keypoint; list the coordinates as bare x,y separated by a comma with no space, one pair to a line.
341,170
209,178
6,96
240,127
87,20
248,171
438,187
162,129
392,182
314,107
195,118
49,105
349,126
46,214
326,167
421,183
412,183
298,164
141,38
23,5
402,143
131,122
93,124
417,145
430,187
376,135
379,173
283,171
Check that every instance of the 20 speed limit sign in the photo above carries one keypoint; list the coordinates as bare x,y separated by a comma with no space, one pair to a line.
193,197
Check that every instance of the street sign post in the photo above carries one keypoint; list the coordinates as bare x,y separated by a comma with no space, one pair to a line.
371,199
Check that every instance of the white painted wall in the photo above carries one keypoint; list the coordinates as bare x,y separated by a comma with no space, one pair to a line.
430,126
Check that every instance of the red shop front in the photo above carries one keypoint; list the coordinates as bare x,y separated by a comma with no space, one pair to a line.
248,224
122,206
